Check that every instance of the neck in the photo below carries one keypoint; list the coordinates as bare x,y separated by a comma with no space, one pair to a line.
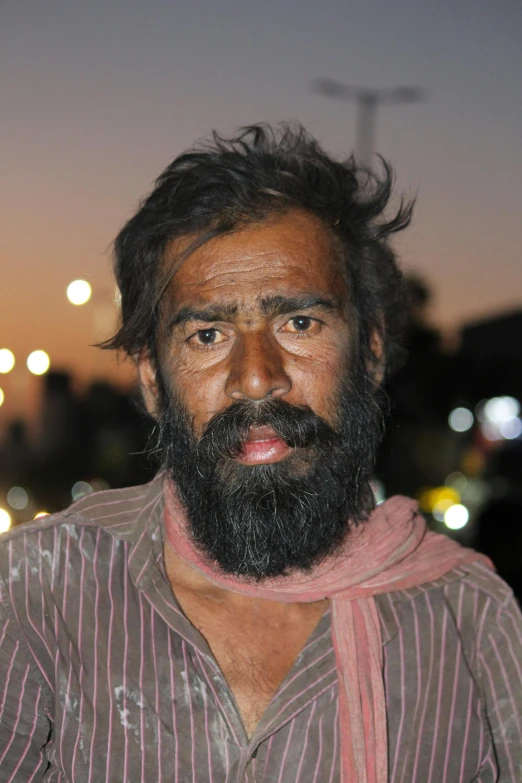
189,584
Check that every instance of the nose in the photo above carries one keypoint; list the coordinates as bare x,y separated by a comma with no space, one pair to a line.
256,369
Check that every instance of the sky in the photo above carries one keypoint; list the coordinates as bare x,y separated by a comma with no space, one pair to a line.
98,97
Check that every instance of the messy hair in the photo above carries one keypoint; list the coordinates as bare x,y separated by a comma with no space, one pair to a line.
225,184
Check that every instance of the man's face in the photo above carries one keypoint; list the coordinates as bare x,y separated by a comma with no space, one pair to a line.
261,416
258,313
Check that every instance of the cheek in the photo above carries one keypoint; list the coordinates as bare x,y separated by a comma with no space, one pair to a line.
200,392
316,382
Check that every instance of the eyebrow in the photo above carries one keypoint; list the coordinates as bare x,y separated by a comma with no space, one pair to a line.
282,305
222,312
270,306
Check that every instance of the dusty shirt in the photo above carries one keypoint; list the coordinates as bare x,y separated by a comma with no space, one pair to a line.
102,678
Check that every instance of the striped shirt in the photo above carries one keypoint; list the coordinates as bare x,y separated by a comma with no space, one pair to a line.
104,679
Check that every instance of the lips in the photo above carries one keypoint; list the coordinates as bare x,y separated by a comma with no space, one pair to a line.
263,446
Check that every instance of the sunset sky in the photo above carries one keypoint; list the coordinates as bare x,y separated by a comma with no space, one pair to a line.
97,97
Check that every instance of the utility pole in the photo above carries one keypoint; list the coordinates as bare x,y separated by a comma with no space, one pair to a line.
368,101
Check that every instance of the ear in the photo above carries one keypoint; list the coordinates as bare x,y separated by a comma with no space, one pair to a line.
377,348
148,383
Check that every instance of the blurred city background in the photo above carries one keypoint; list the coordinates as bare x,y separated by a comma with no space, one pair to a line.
98,97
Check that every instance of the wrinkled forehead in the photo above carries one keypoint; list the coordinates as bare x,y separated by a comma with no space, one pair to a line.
281,256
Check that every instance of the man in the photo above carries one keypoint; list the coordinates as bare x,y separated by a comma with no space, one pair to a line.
249,615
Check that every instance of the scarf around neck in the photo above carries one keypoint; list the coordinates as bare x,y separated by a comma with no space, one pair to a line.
392,550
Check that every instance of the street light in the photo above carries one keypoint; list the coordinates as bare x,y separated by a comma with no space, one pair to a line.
367,101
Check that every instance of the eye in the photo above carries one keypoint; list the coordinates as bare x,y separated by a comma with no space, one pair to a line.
300,323
207,337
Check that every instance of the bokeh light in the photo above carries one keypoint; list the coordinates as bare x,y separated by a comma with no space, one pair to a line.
41,514
2,396
440,509
512,429
5,520
433,497
499,418
38,362
501,409
460,420
79,292
80,490
456,517
18,498
490,431
7,360
457,480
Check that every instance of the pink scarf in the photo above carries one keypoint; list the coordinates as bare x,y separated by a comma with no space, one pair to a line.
392,550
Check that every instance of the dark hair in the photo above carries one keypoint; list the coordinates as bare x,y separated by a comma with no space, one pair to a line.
224,184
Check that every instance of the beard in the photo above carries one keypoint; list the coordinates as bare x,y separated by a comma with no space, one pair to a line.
266,520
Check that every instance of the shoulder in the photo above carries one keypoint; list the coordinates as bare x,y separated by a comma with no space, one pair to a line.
114,510
469,602
472,586
35,548
474,580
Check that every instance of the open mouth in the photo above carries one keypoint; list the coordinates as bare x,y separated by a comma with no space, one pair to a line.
263,446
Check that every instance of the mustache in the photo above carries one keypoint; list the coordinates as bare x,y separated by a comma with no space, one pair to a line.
299,427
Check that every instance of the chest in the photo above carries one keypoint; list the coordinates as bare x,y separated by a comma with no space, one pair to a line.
255,650
253,674
140,703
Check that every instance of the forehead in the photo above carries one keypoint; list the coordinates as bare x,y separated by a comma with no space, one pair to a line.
287,254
